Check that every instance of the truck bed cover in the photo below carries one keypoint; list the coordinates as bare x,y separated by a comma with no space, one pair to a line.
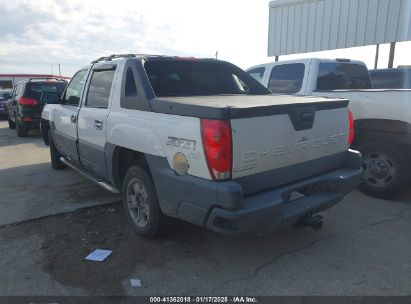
240,106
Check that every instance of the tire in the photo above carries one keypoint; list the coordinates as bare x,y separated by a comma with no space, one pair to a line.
55,155
141,203
12,125
44,134
22,130
385,169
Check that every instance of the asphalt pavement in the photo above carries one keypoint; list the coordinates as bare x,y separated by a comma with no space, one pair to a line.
50,220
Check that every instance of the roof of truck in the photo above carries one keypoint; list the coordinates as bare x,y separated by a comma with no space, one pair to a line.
148,56
307,60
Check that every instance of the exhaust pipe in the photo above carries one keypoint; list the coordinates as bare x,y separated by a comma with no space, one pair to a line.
314,221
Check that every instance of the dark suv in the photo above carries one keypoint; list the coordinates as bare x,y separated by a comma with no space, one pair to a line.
24,108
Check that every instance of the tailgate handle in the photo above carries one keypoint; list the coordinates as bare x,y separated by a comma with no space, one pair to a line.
302,117
306,116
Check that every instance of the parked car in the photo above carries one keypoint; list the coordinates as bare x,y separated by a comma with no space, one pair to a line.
399,78
24,107
201,140
4,96
382,117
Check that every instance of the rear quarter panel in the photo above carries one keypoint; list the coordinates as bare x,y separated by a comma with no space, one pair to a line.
160,135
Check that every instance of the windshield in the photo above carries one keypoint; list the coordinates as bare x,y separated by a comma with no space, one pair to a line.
189,78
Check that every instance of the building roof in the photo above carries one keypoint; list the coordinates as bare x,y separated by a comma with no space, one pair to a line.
33,76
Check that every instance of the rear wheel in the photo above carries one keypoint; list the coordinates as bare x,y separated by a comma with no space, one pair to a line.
385,169
22,129
55,155
141,203
12,124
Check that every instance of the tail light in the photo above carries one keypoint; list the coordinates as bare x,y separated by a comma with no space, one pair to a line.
27,101
216,137
351,126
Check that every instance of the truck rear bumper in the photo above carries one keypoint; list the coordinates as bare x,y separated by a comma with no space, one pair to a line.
274,209
223,207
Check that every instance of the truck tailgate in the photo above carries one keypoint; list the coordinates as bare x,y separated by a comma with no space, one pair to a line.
306,136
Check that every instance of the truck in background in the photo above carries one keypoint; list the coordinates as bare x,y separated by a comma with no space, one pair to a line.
399,78
382,117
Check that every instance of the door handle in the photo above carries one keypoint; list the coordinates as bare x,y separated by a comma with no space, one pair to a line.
98,124
73,118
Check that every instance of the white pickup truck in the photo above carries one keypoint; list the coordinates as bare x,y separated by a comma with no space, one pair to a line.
382,118
201,140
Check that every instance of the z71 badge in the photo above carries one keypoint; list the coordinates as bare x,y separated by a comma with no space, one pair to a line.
181,142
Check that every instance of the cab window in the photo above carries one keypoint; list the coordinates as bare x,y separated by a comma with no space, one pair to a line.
74,89
100,88
287,78
257,73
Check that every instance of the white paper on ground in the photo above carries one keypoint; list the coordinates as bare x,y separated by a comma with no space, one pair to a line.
135,283
99,255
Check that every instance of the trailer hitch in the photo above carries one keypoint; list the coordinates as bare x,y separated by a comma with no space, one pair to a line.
314,221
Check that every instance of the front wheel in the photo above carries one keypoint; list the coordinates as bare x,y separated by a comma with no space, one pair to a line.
12,124
141,203
385,169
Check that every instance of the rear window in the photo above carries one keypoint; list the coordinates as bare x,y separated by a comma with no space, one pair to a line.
287,78
342,76
191,78
34,89
390,80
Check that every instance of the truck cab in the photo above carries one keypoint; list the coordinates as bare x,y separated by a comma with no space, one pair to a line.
309,76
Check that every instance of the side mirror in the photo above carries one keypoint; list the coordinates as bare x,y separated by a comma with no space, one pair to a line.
49,97
73,100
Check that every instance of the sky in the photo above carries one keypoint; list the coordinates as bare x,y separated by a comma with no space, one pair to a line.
36,36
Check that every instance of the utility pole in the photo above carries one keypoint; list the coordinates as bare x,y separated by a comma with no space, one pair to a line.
59,70
377,52
391,58
276,58
216,54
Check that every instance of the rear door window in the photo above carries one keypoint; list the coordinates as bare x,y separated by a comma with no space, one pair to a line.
286,78
100,87
342,76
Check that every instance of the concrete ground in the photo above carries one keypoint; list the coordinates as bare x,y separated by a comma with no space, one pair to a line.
363,249
30,188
